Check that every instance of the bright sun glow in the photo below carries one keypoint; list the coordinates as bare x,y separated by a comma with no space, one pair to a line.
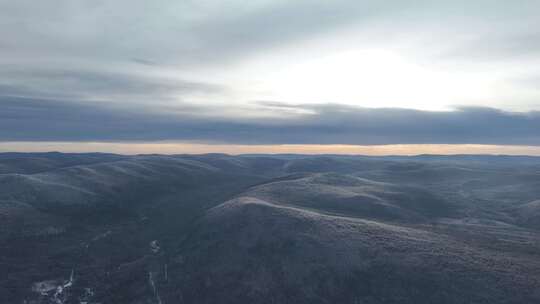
374,78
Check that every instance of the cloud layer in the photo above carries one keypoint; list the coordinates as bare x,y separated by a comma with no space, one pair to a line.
48,120
190,70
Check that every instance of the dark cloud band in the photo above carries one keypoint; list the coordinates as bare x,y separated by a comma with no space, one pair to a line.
26,119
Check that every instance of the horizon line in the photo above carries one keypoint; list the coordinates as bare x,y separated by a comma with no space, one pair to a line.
197,148
273,154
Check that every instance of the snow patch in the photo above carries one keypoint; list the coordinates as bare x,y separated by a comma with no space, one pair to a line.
154,246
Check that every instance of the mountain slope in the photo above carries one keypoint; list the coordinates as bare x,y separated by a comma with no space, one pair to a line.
251,251
353,196
268,229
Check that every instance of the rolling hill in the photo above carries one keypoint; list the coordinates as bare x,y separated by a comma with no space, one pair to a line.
215,228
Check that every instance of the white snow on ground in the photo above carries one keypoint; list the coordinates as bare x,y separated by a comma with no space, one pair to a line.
59,287
154,288
154,246
44,287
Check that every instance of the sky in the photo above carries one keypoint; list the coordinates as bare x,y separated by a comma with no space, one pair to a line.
261,76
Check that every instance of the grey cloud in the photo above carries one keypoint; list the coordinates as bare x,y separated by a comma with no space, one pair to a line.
82,51
241,32
195,32
144,61
88,49
86,36
206,32
496,46
46,120
183,32
62,83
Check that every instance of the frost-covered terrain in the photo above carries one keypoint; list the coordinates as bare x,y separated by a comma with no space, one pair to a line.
104,228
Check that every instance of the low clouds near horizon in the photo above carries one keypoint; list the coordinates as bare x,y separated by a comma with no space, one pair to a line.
24,119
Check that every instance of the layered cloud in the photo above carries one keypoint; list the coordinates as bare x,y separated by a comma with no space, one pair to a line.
190,70
48,120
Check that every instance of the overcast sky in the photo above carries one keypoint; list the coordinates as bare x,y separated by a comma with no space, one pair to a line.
261,72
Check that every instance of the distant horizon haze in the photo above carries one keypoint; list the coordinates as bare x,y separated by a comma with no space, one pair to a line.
167,147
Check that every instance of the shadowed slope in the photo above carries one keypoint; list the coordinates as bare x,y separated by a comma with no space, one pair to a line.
251,251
